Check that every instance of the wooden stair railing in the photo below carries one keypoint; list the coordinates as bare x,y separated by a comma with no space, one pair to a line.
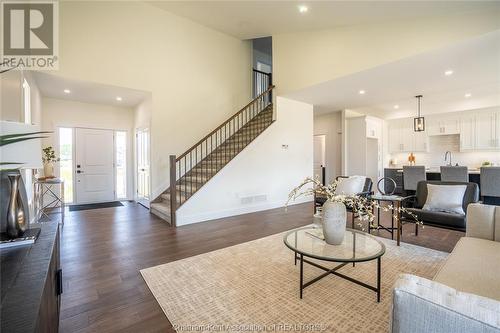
195,167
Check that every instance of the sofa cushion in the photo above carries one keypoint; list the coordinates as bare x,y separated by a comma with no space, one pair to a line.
351,185
421,305
473,267
483,222
471,193
445,198
450,220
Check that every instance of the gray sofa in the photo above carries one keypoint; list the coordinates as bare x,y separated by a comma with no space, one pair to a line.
441,219
464,296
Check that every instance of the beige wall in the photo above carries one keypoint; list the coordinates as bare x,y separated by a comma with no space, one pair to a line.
271,170
11,97
63,113
303,59
197,76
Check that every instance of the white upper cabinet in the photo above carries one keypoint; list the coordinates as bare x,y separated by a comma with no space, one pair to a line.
403,139
445,124
420,143
467,132
479,130
485,130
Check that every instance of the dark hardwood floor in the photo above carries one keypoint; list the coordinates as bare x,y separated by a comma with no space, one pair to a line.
103,250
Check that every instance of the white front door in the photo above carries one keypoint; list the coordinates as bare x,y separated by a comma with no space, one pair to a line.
94,169
143,167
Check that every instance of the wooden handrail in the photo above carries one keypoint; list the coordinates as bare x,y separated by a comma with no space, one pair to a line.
224,123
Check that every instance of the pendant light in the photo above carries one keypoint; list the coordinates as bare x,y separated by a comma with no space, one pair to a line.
419,121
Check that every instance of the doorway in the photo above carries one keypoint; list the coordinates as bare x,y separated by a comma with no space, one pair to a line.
142,156
94,165
319,156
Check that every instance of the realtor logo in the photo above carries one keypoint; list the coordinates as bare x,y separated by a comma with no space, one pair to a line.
29,34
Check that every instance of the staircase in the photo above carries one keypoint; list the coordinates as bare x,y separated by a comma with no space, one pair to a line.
194,168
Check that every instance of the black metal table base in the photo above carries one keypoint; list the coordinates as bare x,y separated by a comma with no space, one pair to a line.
378,227
333,271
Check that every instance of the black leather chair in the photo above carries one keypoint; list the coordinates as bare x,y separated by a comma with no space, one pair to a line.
440,219
367,190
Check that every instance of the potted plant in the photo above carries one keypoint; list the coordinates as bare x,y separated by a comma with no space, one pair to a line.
49,158
334,209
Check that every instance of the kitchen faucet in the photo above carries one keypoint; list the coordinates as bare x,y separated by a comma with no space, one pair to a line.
446,157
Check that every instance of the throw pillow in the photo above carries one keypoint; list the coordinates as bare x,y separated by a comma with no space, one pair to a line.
445,198
350,186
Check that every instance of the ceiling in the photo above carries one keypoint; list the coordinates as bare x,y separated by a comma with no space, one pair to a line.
476,71
253,19
53,86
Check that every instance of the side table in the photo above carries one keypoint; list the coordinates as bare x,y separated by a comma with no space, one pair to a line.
48,199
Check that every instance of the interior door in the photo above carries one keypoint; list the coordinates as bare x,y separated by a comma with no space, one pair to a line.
143,167
94,169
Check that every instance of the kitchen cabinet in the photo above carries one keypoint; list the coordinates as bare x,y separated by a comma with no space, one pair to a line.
479,130
486,130
467,132
443,124
420,142
403,139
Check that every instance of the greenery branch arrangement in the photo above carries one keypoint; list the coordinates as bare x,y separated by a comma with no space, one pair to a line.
49,155
363,206
18,137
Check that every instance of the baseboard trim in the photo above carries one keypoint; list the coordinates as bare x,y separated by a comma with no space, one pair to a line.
208,216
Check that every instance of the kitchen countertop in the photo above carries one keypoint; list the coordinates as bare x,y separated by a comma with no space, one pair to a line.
437,170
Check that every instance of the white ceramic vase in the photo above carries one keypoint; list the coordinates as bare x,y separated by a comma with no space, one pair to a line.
48,170
334,222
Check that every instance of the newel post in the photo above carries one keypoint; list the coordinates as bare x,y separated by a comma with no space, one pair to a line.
173,190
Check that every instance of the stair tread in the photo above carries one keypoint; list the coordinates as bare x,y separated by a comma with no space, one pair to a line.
211,164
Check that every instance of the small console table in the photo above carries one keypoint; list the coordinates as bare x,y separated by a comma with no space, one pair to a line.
49,196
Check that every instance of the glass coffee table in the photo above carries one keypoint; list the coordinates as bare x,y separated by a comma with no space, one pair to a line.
357,246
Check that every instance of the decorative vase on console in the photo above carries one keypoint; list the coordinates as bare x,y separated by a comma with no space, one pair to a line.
16,221
334,222
49,158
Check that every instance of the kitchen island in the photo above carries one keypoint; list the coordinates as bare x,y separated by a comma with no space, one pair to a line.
396,173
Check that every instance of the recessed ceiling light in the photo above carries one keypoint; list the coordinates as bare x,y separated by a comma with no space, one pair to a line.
467,95
396,106
67,91
118,98
303,9
362,92
448,72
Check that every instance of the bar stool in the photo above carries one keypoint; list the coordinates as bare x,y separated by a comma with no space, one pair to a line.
412,175
454,174
490,185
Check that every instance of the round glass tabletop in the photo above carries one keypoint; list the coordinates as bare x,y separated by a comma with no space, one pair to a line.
357,245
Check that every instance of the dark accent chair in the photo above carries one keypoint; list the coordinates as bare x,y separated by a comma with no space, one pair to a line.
367,190
440,219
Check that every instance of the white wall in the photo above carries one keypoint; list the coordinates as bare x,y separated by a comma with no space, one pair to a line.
356,146
64,113
263,170
12,109
331,126
303,59
197,76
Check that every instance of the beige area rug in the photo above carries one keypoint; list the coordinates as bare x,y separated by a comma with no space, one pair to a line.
254,286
